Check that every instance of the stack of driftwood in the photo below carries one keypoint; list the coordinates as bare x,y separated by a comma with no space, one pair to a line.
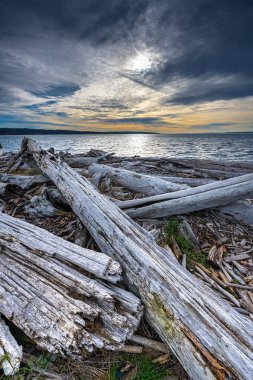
93,220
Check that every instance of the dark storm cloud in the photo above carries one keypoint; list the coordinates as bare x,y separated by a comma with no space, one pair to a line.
96,20
204,89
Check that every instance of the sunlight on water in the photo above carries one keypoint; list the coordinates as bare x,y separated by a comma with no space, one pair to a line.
227,146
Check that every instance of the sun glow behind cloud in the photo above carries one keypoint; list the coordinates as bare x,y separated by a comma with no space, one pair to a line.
141,62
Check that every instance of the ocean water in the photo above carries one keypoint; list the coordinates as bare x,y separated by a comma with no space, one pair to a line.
219,146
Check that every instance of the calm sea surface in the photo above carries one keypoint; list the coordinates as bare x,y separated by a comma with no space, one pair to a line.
226,146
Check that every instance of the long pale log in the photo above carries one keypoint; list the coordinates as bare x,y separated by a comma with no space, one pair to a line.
96,263
186,193
211,340
134,181
60,308
201,201
10,351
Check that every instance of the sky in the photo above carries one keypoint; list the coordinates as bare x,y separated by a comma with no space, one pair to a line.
171,66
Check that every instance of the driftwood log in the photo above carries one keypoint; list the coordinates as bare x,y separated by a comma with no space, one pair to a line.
60,306
182,202
210,338
217,185
10,351
142,183
99,264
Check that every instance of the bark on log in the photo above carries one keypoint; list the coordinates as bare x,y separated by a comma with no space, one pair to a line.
59,307
211,340
142,183
10,351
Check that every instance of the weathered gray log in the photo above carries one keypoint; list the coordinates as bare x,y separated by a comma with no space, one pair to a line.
23,181
10,351
189,192
141,183
201,201
97,263
60,308
211,340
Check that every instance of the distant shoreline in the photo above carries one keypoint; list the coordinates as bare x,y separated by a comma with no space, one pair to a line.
27,131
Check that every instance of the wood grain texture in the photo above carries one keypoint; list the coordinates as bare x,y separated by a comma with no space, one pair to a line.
210,339
60,306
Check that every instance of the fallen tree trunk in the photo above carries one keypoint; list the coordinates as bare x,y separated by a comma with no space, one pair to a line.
32,237
59,307
186,193
210,339
10,351
220,192
142,183
199,201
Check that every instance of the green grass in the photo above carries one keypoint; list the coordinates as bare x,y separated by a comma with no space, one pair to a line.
146,369
171,230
